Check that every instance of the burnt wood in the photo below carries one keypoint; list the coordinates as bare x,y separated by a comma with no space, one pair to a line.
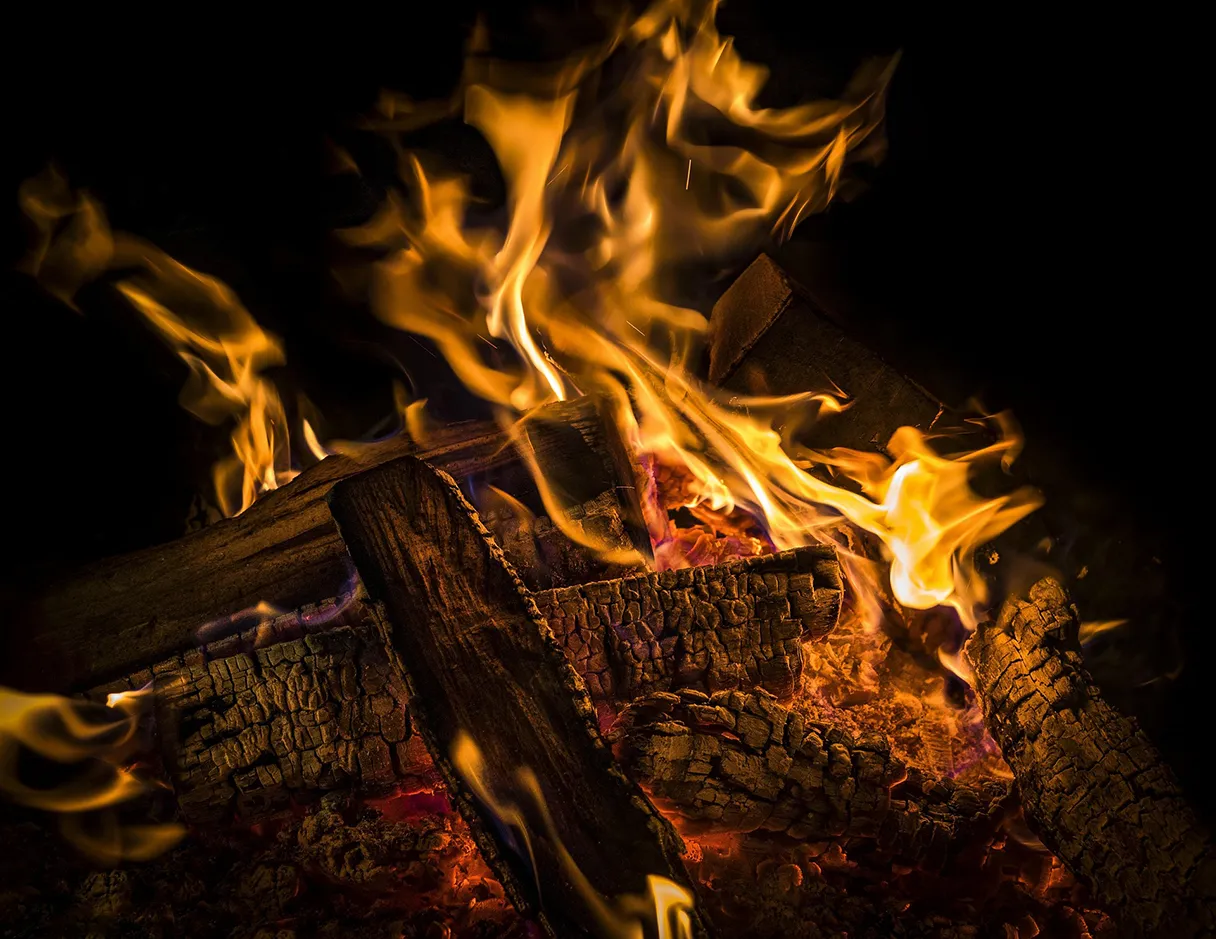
293,707
743,762
111,618
734,625
1092,785
478,660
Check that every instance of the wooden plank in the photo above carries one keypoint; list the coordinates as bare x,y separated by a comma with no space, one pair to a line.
478,660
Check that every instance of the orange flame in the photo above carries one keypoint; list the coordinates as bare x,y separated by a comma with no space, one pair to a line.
198,317
634,161
70,731
623,917
616,184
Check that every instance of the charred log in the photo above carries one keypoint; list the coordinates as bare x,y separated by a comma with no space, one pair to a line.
306,702
242,736
734,762
1093,787
478,660
114,617
736,625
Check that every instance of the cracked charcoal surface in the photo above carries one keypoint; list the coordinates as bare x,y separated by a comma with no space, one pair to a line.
292,706
242,734
743,762
736,625
1091,783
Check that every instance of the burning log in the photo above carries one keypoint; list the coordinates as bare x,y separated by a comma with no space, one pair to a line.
736,762
479,661
121,614
768,336
735,625
1092,786
306,702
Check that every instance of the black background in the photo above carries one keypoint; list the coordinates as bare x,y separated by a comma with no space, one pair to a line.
1029,240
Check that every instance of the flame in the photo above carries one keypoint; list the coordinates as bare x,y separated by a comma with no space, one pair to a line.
670,167
621,184
198,317
69,731
1091,629
668,906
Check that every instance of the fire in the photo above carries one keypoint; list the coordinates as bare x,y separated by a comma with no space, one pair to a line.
621,183
671,167
198,317
624,917
97,738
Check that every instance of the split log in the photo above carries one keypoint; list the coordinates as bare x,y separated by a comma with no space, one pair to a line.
1092,786
735,625
768,336
116,616
478,660
736,762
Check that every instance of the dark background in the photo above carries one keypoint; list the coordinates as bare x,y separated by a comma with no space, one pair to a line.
1027,241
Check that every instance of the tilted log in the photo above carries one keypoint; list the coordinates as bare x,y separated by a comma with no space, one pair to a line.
769,336
743,762
293,707
734,625
478,660
116,616
1092,785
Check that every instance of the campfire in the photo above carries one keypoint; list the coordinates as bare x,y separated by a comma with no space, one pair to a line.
703,621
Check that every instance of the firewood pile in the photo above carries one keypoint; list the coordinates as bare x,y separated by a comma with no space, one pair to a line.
735,728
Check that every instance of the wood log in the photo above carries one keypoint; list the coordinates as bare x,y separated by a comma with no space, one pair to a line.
111,618
1092,785
735,625
769,336
478,660
743,762
238,739
247,735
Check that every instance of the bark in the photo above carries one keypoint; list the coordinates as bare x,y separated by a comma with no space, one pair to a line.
113,617
735,762
735,625
1092,785
480,662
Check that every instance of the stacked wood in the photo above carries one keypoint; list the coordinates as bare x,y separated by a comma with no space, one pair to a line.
304,703
112,618
480,664
743,762
1092,785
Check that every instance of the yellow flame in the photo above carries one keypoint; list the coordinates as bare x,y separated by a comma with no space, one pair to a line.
1092,628
670,164
668,905
198,317
78,732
